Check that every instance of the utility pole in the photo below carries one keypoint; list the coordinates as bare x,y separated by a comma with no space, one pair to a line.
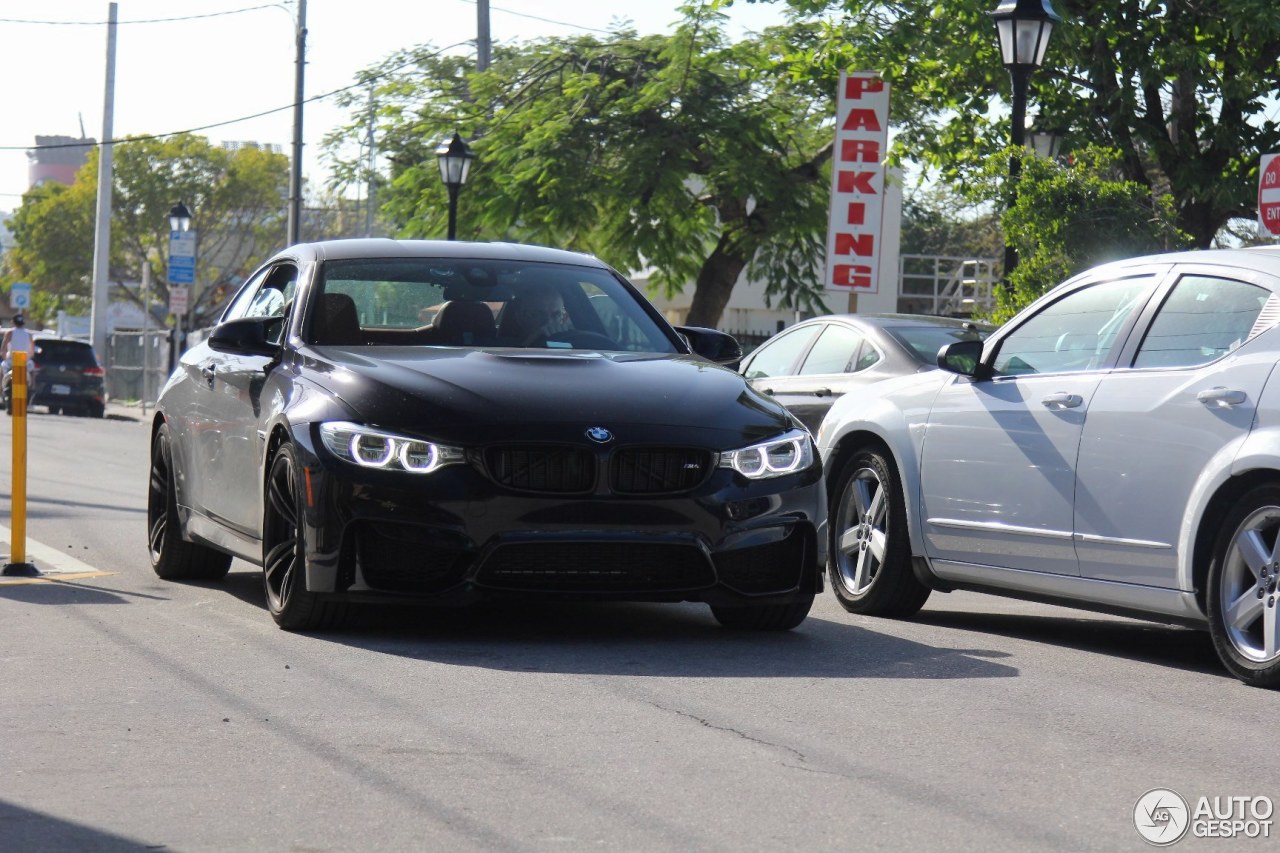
372,163
295,173
102,224
483,43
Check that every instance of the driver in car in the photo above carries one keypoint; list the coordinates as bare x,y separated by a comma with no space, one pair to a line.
540,314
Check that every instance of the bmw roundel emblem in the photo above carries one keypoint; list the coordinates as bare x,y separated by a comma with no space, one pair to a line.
599,435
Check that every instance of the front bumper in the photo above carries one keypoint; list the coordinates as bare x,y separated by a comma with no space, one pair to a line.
456,536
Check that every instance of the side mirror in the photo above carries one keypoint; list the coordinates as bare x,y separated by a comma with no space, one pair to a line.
248,336
963,357
713,345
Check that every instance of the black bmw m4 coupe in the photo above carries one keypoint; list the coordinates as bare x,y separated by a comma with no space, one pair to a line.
445,422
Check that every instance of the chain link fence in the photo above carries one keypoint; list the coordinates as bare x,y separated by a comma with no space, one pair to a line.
137,365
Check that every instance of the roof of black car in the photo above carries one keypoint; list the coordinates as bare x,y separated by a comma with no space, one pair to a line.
379,247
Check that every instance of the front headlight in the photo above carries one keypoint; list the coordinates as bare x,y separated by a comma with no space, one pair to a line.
774,458
371,448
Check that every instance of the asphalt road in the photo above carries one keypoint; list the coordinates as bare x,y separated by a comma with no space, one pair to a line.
141,714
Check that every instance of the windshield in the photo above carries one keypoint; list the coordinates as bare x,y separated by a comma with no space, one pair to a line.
70,353
475,303
924,341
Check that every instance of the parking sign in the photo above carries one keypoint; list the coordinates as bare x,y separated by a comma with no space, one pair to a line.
20,296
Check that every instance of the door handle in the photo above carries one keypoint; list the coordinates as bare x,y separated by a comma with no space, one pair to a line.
1221,397
822,392
1062,400
768,391
208,373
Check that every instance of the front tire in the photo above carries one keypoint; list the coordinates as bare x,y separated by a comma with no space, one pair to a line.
763,617
1242,596
870,562
173,558
283,553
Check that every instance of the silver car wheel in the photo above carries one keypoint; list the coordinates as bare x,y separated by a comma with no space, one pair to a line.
862,517
1248,593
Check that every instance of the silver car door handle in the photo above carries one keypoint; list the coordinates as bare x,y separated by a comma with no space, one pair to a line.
768,391
822,392
208,373
1221,397
1063,400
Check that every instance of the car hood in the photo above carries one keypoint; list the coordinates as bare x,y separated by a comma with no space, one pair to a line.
481,395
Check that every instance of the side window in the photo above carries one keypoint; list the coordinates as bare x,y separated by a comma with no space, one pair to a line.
1074,333
833,352
777,356
868,357
1202,320
240,304
275,293
267,294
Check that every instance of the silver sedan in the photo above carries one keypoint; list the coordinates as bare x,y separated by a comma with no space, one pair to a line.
1116,446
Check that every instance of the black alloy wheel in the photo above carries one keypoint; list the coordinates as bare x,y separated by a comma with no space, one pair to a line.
283,553
173,558
763,617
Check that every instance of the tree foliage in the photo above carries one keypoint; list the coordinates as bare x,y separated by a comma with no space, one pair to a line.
685,154
1075,214
237,198
1185,91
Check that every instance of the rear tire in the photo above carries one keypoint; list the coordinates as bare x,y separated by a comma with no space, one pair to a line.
291,605
870,555
1243,590
763,617
96,410
172,558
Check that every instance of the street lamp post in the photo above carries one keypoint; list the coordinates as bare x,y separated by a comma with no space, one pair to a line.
455,159
1024,27
181,265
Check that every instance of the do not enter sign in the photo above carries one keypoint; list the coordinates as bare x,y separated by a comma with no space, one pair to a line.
1269,195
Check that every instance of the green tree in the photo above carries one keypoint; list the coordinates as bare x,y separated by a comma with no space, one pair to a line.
237,198
1186,91
1073,215
685,155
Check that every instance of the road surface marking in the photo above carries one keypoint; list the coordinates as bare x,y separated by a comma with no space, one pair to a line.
53,564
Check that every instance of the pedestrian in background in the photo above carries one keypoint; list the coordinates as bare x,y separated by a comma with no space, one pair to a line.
17,338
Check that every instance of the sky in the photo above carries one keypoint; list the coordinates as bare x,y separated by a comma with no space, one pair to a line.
188,64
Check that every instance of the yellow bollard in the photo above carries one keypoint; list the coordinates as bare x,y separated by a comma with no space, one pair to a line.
18,564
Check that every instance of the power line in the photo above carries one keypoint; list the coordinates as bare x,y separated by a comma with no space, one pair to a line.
543,20
141,21
360,85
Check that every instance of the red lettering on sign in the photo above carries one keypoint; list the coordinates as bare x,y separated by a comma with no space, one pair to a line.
859,151
855,86
862,245
857,214
855,182
862,120
851,275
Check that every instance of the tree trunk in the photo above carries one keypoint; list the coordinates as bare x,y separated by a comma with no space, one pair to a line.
715,283
1198,220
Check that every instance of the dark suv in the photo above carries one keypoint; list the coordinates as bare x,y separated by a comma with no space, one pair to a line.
64,376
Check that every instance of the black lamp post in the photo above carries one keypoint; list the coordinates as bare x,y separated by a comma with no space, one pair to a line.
455,161
179,222
1024,27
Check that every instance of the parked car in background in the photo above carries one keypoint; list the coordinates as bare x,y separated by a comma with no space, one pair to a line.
545,434
1116,446
64,376
812,364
